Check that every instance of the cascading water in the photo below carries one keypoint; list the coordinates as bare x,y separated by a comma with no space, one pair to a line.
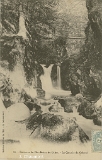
46,81
46,78
22,29
75,108
47,85
58,78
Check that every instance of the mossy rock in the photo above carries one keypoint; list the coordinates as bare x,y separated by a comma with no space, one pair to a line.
97,120
69,103
56,128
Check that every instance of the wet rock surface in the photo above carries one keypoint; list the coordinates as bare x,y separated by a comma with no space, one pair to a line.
69,103
56,108
53,125
56,128
86,109
40,93
97,118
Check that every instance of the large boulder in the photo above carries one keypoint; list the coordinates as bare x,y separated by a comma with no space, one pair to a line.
69,104
56,108
97,120
91,91
32,105
57,128
18,112
54,127
86,110
7,102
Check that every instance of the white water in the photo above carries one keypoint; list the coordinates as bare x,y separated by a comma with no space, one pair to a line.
47,85
30,91
46,81
22,29
58,77
86,124
17,131
46,78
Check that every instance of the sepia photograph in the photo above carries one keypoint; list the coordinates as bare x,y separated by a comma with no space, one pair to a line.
51,79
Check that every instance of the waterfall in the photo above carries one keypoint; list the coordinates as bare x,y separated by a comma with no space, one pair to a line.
75,108
46,78
47,85
58,77
22,29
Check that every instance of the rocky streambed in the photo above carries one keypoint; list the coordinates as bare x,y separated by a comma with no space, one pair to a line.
50,122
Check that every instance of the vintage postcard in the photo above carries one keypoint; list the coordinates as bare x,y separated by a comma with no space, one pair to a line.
51,79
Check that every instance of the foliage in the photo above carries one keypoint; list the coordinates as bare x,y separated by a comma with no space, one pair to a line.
44,43
92,50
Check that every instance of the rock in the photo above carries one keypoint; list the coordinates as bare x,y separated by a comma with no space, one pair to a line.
26,96
45,103
34,120
93,43
97,118
86,109
7,103
74,88
92,92
65,77
62,102
7,91
53,128
44,108
79,96
51,120
82,135
57,128
40,93
30,91
69,103
56,108
32,105
18,111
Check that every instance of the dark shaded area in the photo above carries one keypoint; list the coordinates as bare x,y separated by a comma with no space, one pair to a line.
97,120
86,109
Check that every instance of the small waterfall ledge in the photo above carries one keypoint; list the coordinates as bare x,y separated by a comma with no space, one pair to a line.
47,84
